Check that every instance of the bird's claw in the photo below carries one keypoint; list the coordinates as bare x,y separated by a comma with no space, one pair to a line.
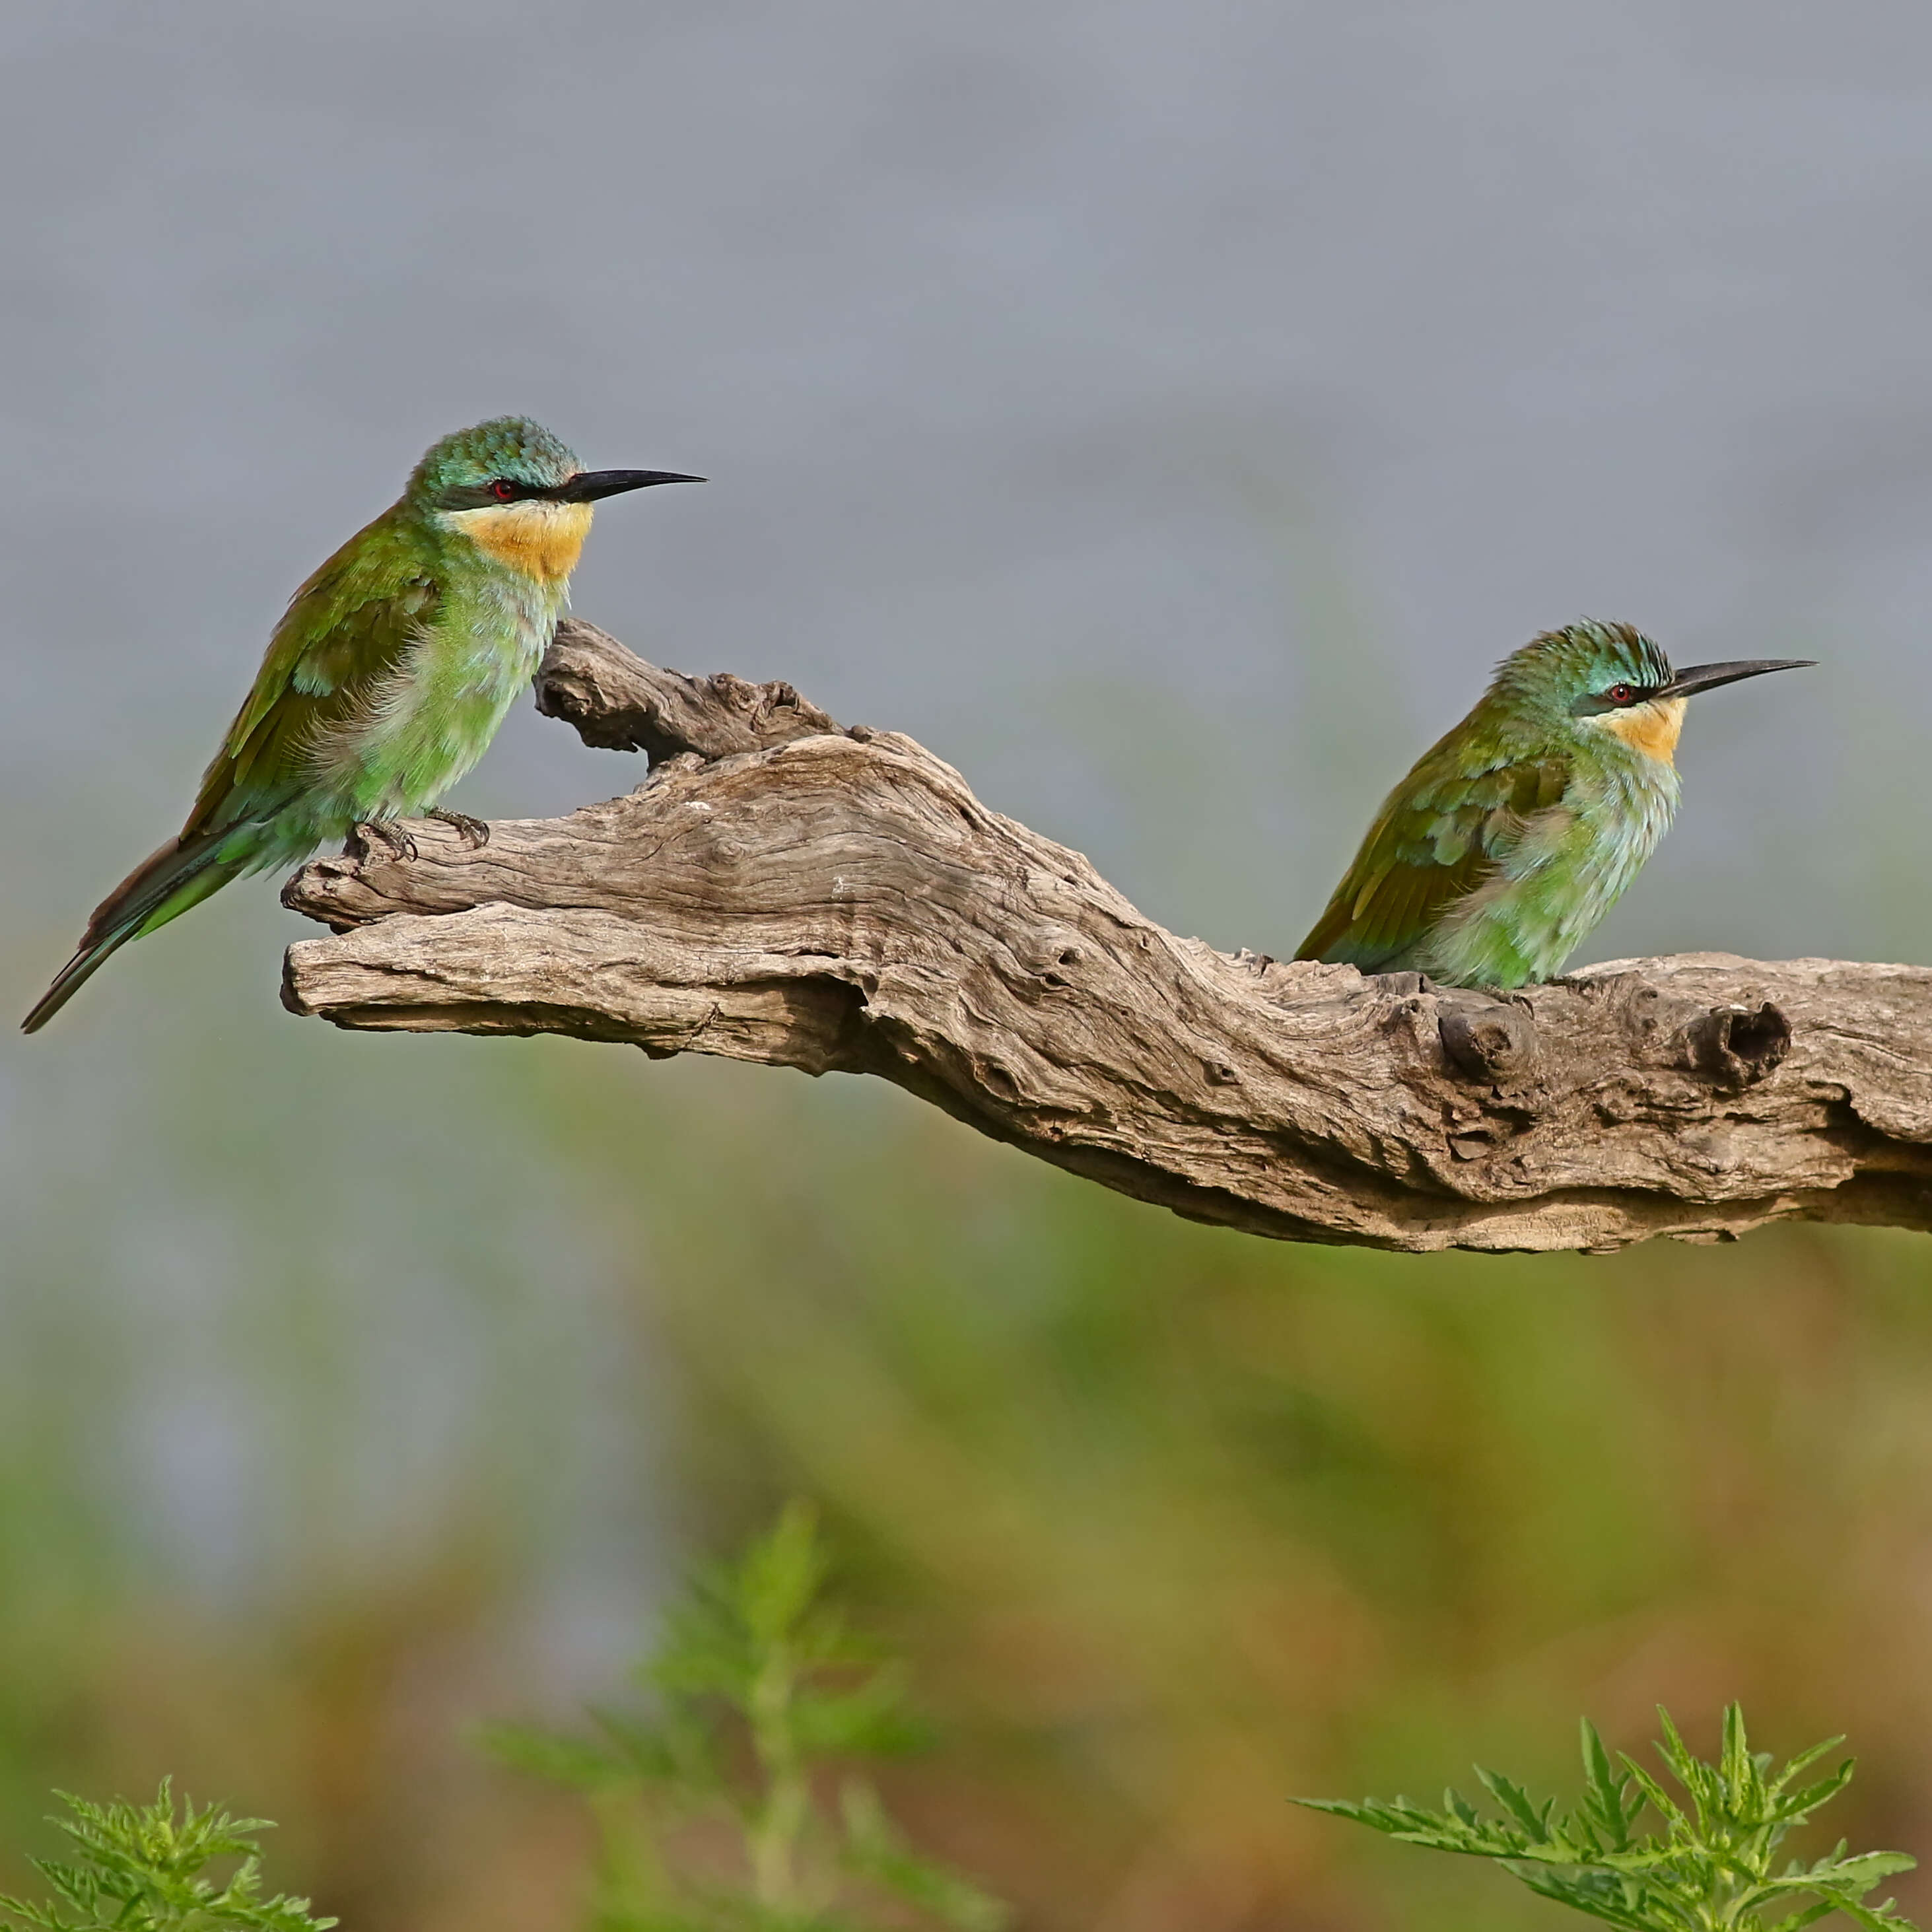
472,832
387,832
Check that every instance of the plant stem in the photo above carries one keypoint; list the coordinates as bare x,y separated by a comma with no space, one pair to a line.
781,1818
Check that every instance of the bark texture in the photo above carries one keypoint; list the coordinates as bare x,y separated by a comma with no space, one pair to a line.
786,889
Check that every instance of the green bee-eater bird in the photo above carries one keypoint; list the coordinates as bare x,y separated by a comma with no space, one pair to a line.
1519,830
386,680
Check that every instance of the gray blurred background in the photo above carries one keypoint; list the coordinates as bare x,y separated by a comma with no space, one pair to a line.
1167,410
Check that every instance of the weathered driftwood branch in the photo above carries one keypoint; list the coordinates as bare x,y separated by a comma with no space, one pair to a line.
782,888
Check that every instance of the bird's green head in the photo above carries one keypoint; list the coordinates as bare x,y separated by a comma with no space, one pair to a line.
462,471
1597,677
518,493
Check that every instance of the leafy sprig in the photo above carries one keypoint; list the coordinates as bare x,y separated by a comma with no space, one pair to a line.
1710,1868
140,1869
760,1699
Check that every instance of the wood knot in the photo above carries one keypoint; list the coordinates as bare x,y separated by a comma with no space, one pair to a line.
1737,1046
1054,957
1493,1042
1403,985
331,890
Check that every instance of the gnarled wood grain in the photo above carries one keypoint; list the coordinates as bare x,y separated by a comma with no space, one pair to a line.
784,889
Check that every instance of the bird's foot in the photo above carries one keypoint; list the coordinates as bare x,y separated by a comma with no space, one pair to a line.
472,832
387,832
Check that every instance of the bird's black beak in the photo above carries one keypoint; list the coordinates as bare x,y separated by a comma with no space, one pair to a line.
1708,677
588,486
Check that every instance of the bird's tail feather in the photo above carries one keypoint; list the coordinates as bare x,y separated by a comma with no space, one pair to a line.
181,875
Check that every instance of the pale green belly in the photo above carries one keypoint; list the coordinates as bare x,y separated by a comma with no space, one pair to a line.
429,725
1557,884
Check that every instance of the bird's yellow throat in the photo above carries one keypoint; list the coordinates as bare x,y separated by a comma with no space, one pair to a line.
1651,728
542,540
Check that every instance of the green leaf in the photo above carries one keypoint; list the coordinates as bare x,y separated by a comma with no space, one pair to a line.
870,1720
1615,1904
1742,1779
1803,1762
1883,1919
779,1577
874,1848
1605,1800
1800,1805
1659,1800
1868,1868
1797,1921
1516,1802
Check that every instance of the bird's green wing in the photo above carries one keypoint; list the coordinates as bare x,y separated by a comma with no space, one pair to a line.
1439,836
354,621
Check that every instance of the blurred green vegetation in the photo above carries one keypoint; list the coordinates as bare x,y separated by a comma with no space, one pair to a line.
1177,1523
761,1702
1173,1524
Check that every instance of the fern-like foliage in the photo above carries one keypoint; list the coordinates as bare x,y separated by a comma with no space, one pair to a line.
142,1869
760,1702
1708,1863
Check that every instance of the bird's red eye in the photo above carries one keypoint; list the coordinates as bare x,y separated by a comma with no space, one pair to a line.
1621,694
503,490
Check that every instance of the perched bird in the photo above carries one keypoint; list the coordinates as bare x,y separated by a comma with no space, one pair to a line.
386,680
1519,830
